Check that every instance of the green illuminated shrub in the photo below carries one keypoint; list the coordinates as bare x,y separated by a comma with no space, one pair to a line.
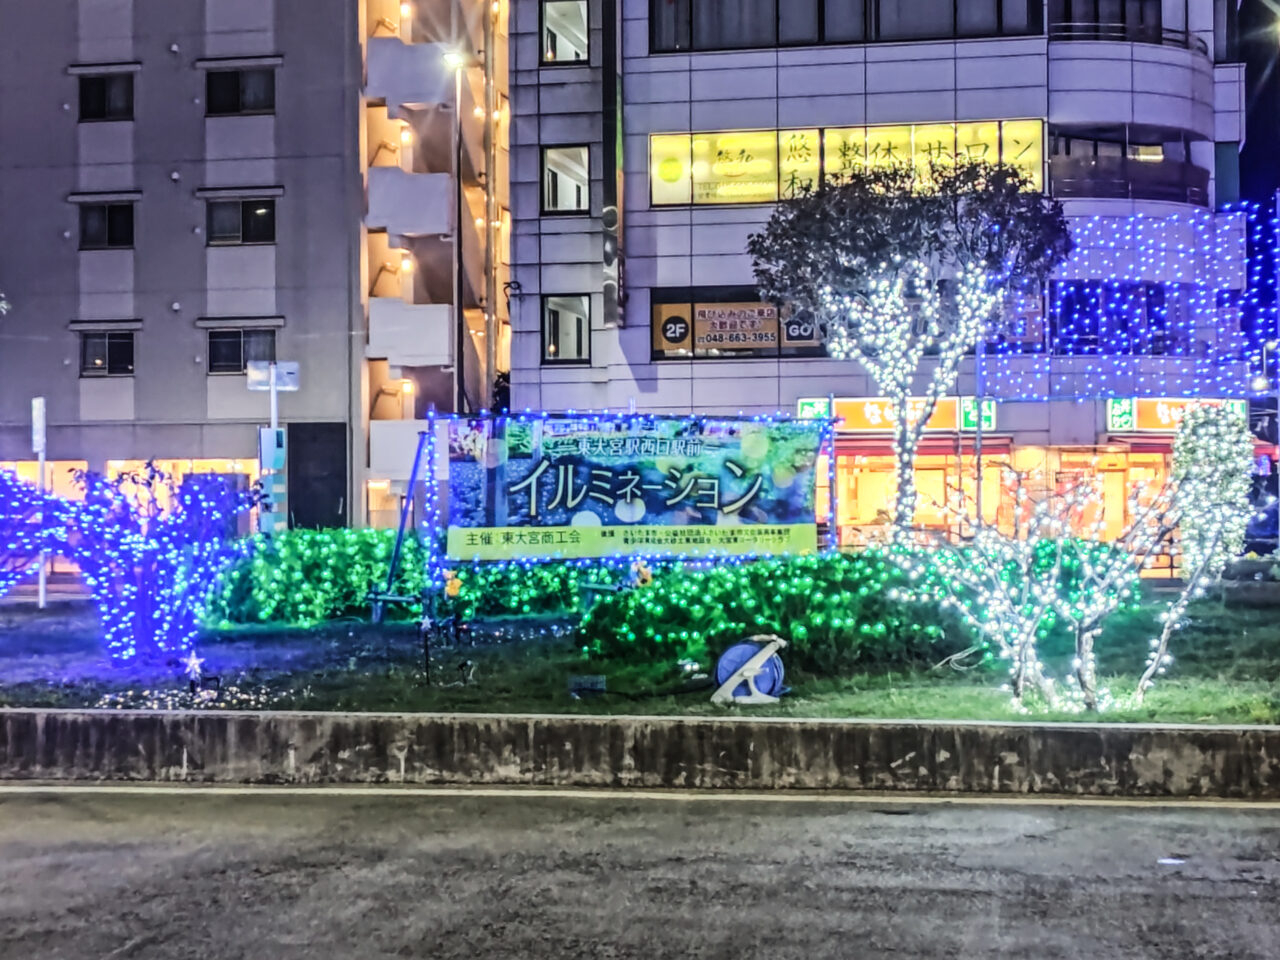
303,577
833,610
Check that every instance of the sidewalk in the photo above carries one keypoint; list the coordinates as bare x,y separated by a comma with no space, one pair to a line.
62,588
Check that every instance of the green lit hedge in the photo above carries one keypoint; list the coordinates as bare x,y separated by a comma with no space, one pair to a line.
834,610
303,577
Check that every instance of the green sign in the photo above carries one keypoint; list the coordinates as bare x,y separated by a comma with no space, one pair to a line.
969,414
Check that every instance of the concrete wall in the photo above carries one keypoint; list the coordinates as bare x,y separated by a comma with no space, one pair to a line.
650,752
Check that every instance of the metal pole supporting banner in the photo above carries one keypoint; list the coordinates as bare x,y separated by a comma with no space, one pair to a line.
38,446
833,502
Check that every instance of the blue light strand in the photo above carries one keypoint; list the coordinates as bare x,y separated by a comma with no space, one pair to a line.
150,551
28,525
1115,327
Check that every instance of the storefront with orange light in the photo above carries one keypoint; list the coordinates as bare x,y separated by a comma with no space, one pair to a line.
1133,450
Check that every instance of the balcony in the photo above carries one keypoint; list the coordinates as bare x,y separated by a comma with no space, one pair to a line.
1123,178
402,73
410,204
1128,33
392,444
410,334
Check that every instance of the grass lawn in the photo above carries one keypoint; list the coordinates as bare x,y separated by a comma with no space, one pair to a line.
1227,671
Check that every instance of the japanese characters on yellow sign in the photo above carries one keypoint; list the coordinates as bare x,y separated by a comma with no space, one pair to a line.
799,161
1156,414
735,167
575,543
763,166
876,414
746,329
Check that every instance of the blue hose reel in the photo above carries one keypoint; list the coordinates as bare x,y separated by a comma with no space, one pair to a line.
751,672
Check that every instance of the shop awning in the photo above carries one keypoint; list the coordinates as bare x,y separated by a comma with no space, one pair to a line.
1143,443
1163,443
848,445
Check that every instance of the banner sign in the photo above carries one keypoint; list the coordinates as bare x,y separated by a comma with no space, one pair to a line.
581,488
876,414
1157,415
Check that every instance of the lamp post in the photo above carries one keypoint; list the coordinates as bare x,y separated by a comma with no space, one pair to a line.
1262,383
457,61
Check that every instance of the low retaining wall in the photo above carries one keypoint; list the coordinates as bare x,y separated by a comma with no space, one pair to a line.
1103,760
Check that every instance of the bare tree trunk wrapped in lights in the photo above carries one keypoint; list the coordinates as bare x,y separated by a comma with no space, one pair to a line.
865,256
890,329
1107,580
1005,584
1212,469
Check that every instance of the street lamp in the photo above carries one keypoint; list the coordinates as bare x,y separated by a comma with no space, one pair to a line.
1263,382
458,60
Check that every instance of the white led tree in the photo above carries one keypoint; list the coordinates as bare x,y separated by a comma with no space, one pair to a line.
1212,474
1105,578
890,328
1004,584
1051,567
904,270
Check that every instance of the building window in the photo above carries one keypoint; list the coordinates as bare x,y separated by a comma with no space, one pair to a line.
761,166
680,25
726,323
108,97
106,226
231,351
566,179
731,24
566,329
564,31
106,354
915,19
1089,318
671,25
240,92
241,221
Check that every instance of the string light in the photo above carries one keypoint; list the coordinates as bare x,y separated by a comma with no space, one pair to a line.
28,525
1213,472
1052,569
890,329
1149,306
150,551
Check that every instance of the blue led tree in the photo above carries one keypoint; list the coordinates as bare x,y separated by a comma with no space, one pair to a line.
151,550
27,526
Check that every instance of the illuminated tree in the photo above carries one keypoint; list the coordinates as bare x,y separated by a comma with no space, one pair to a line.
889,329
904,271
151,550
1052,569
1213,471
26,527
1005,585
1107,578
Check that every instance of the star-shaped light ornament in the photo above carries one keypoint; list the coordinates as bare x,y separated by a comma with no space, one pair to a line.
191,665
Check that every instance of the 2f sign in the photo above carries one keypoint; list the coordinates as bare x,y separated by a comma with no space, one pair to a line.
37,425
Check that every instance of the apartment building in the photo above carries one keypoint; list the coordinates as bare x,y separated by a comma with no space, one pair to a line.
192,187
651,138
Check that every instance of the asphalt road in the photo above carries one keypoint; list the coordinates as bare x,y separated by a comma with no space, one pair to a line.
368,877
